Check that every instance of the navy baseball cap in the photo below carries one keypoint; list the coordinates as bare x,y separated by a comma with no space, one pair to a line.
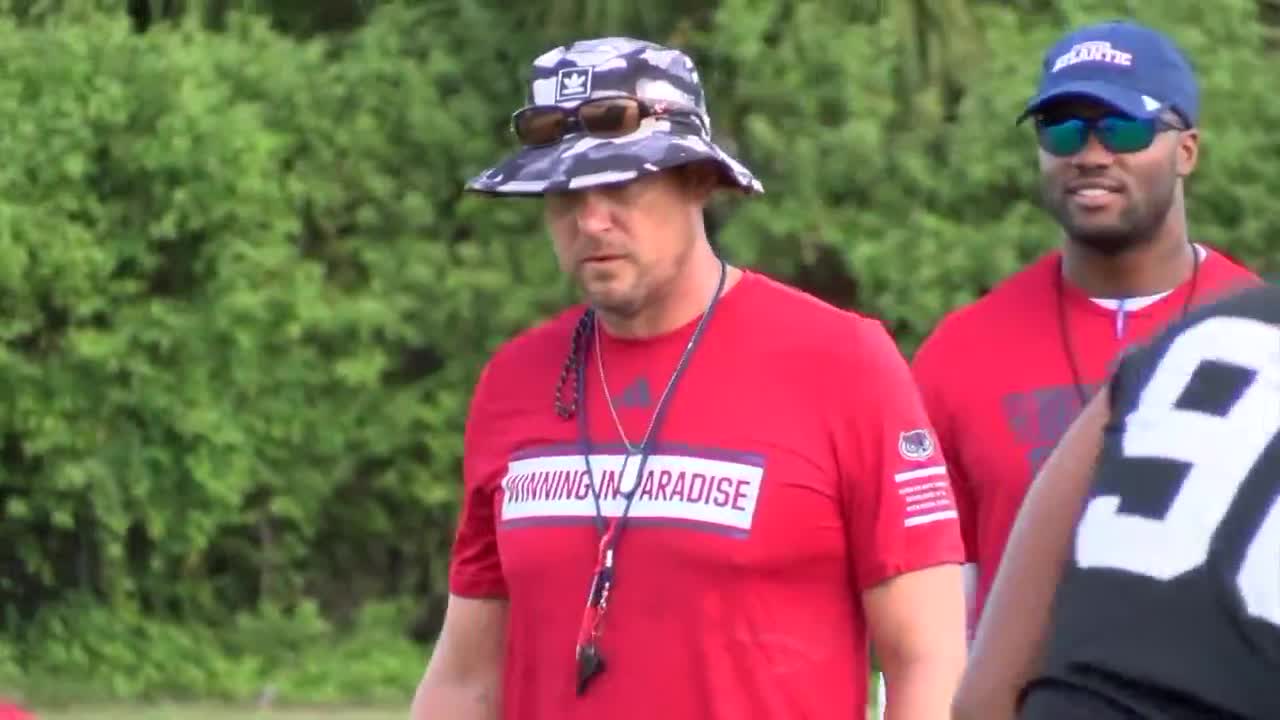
1127,66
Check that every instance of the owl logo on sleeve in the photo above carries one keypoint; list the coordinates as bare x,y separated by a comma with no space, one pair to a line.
915,444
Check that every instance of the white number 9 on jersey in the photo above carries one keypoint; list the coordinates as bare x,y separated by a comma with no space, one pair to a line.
1220,451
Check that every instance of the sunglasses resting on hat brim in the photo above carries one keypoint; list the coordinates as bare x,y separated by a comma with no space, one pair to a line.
607,117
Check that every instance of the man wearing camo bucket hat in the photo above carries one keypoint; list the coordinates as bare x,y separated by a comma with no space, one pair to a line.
608,111
734,487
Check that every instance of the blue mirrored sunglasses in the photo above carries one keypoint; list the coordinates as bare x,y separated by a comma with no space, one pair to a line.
1118,133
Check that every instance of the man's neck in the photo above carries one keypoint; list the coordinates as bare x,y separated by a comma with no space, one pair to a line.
1147,269
686,299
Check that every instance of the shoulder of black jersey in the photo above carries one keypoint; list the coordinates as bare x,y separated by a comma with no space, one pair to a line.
1255,301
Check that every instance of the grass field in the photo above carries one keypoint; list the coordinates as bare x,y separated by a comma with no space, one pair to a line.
214,712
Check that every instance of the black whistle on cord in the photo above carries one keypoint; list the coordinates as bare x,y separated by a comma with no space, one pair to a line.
590,664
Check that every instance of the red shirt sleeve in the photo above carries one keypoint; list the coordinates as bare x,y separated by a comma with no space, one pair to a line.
897,492
475,568
931,380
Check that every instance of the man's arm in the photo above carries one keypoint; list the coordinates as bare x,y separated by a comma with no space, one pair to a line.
917,627
463,679
934,371
969,573
904,536
1010,637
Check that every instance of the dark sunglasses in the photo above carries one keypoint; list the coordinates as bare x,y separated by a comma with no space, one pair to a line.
610,117
1117,133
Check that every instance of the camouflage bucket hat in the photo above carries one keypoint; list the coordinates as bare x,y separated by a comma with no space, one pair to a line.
614,67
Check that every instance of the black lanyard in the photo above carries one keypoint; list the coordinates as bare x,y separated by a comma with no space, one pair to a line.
1065,333
590,661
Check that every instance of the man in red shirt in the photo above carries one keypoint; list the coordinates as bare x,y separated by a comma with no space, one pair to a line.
1003,377
734,489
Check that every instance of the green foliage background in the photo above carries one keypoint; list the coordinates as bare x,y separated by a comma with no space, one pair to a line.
245,300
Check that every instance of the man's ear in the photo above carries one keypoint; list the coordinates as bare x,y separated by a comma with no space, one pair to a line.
1188,151
701,179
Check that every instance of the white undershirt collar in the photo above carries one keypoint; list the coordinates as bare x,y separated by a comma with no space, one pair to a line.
1121,306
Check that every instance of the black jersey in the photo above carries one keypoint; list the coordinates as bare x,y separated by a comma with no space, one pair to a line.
1170,604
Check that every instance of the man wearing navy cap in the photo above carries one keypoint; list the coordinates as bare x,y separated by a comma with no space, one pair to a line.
1124,66
1116,118
700,494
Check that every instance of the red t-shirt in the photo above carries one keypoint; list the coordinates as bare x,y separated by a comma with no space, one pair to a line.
795,468
999,387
